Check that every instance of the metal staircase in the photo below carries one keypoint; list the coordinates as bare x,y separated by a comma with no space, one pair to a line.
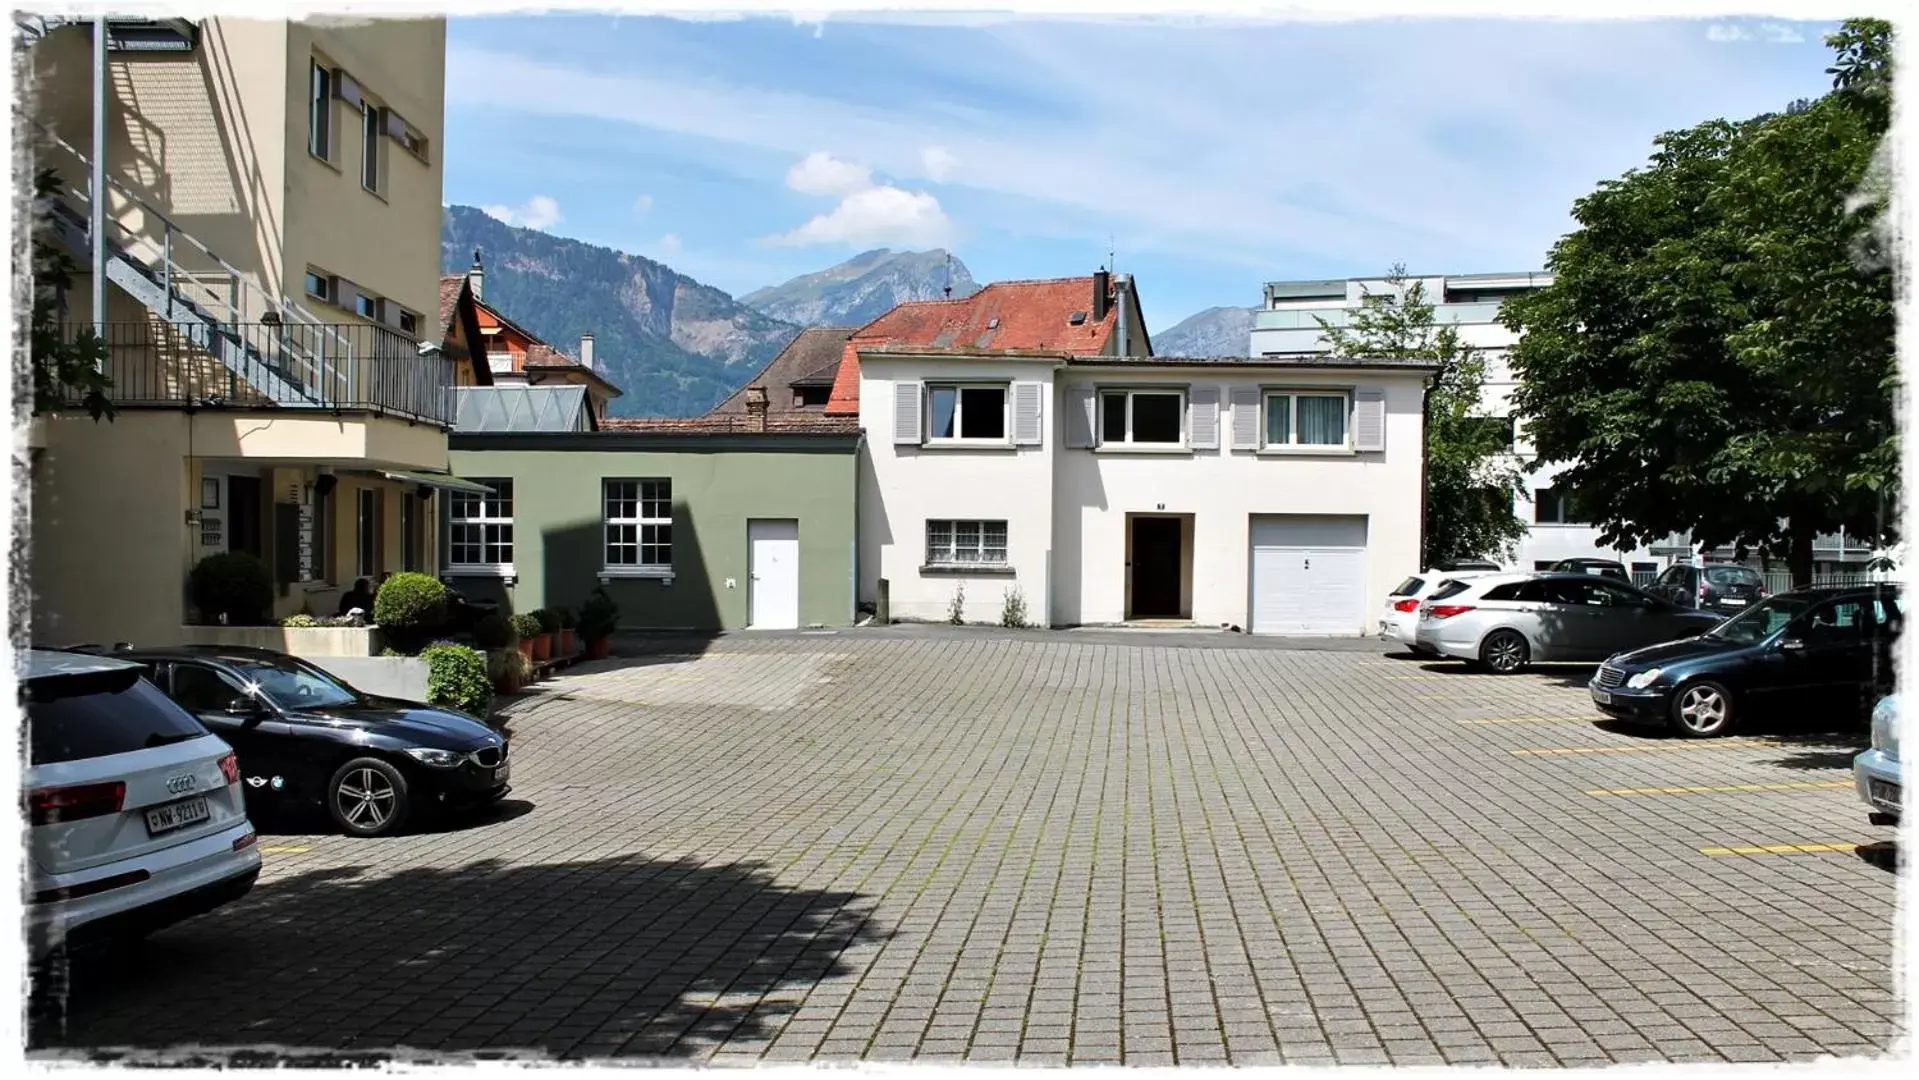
217,308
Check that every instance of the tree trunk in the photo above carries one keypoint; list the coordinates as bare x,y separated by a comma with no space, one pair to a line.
1799,556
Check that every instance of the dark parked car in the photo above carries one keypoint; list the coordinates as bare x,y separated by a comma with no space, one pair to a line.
304,737
1724,587
1601,567
1816,652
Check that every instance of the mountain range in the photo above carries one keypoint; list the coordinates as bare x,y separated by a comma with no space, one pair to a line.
1218,331
676,346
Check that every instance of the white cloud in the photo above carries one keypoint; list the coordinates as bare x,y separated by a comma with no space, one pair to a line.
1727,32
820,173
643,204
1771,32
938,162
878,216
1781,34
538,212
668,244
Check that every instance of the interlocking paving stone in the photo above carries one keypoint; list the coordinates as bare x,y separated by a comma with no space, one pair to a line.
1064,847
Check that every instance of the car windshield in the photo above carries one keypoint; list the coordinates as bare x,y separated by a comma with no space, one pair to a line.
1761,621
75,718
293,685
1408,587
1732,575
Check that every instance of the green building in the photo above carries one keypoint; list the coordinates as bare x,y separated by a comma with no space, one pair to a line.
721,522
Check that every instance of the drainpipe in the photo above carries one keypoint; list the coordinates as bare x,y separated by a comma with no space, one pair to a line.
97,193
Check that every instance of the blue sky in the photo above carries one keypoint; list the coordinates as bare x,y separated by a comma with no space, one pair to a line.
1216,156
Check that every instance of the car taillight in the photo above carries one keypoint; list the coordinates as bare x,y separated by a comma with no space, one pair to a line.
1406,605
55,805
1447,611
90,888
230,767
246,841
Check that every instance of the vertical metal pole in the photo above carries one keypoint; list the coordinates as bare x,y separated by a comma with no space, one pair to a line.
97,193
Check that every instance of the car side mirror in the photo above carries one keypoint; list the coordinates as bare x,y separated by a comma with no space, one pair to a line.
244,706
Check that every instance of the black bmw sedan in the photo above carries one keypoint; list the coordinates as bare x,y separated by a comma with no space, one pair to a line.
1819,653
304,737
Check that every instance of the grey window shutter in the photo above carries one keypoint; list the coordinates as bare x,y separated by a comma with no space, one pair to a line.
1028,413
1079,418
347,89
1369,420
1245,402
1202,407
906,413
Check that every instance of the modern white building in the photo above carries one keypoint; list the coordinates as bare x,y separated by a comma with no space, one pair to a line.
1288,326
1025,439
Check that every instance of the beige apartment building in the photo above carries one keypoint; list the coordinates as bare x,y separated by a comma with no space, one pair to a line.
272,224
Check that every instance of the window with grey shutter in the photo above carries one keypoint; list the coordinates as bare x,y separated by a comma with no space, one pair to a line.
1202,405
1245,403
1080,405
1028,415
1369,420
906,413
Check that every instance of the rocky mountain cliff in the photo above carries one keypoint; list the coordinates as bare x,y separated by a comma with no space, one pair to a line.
1219,331
863,288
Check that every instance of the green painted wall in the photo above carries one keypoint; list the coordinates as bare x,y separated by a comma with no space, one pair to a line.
558,532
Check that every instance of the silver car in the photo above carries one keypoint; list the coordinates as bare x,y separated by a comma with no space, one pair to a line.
1506,621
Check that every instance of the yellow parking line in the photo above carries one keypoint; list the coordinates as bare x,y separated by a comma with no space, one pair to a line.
1779,849
282,850
1803,786
1536,720
1554,751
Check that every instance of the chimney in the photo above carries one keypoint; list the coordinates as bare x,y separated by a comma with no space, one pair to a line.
1122,334
476,276
1102,281
586,352
756,408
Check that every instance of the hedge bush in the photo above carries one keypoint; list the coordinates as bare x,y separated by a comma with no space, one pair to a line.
549,620
494,632
565,615
599,616
457,679
234,584
525,625
410,601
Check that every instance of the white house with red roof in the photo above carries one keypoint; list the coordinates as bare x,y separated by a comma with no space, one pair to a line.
1025,442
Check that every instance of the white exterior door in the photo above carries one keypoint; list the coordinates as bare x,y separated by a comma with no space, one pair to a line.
1309,575
773,574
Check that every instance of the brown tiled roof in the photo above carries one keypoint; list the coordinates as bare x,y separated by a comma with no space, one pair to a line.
1006,315
808,360
449,300
806,423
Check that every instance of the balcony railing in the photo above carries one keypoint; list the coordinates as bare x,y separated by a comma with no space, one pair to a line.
335,367
1302,319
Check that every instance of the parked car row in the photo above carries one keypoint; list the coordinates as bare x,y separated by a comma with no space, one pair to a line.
1507,621
147,766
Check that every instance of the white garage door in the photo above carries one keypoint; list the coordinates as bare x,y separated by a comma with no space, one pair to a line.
1309,575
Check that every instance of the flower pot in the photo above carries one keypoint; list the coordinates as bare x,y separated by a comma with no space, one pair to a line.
568,646
526,647
542,646
597,648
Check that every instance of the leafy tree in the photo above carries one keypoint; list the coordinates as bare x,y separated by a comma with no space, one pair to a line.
1471,475
1715,355
61,366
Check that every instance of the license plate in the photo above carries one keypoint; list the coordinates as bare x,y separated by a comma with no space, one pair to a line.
1733,602
500,774
177,815
1883,792
1602,696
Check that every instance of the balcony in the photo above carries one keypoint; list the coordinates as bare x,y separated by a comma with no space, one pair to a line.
298,368
1303,318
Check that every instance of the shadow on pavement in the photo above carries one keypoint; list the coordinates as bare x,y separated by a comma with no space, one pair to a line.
619,957
1883,854
314,821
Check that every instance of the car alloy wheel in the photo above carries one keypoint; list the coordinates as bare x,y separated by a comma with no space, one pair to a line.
1702,709
368,797
1504,652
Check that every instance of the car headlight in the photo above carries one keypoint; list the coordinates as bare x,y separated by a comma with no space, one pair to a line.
1885,725
439,759
1648,677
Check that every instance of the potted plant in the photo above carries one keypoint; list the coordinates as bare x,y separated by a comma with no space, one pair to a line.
231,588
526,629
410,609
599,616
549,633
566,645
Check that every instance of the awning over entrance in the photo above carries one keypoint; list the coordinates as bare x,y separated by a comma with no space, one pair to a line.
438,480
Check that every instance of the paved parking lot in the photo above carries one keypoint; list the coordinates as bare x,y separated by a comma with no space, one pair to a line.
963,844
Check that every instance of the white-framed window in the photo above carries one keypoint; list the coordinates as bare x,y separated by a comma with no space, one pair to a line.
1308,418
639,525
1143,417
966,412
480,529
366,549
966,543
372,146
320,112
321,286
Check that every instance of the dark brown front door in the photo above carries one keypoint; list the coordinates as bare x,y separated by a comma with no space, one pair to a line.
244,515
1156,568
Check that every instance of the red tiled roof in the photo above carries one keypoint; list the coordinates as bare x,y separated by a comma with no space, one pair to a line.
809,359
737,424
1006,315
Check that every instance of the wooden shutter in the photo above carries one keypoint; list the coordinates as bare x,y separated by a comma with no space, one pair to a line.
906,414
1245,402
1080,404
1202,409
1369,420
1028,413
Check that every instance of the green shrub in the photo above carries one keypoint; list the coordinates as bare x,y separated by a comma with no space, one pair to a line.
233,584
565,615
599,616
299,620
549,620
525,625
1012,611
494,632
410,601
457,679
